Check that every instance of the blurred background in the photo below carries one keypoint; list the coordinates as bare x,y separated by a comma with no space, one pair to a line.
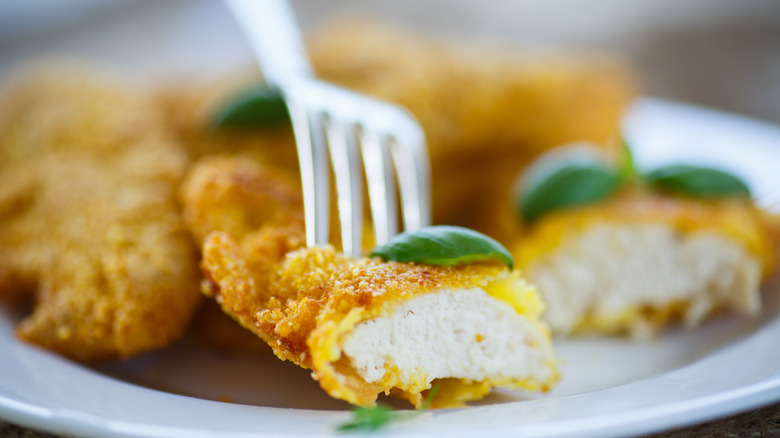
718,53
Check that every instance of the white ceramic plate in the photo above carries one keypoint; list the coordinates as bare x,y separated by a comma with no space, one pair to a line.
609,387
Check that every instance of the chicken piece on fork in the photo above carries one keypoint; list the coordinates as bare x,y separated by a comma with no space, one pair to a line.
363,326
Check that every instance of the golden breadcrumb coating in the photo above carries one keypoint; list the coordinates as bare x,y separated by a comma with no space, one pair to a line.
303,301
737,223
89,222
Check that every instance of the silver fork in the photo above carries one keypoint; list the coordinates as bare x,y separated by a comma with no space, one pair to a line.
329,120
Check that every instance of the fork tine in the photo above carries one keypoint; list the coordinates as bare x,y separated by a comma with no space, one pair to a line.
411,164
315,177
349,189
381,185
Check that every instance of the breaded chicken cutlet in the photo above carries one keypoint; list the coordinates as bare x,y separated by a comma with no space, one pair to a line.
363,326
640,261
90,229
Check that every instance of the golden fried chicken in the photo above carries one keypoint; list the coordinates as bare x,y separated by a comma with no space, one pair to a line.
640,261
89,223
363,326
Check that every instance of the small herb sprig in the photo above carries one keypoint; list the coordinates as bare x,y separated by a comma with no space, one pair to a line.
379,416
577,176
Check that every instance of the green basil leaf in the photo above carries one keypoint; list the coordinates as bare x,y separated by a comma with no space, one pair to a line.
566,177
379,416
443,245
258,107
701,182
369,418
568,187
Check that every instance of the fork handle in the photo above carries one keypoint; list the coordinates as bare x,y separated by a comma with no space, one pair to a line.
275,38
